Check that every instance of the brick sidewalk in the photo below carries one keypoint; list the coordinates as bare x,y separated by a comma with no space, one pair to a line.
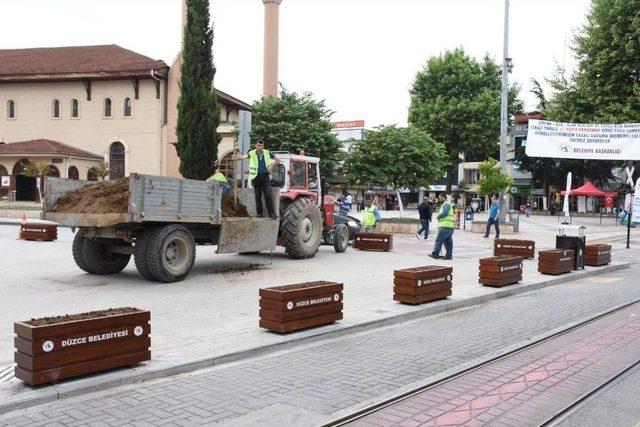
317,383
529,387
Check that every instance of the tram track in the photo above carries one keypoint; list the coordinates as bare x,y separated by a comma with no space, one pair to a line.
551,420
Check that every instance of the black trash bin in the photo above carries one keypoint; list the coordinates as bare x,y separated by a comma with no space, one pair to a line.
572,237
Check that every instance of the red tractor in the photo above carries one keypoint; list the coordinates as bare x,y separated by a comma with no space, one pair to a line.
306,215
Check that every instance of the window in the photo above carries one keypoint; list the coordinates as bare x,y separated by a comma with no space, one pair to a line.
127,107
107,107
53,171
73,173
55,109
11,109
75,109
298,176
116,160
21,166
91,174
226,166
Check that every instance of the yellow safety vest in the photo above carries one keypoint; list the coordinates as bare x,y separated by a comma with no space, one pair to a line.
253,162
449,220
369,216
218,177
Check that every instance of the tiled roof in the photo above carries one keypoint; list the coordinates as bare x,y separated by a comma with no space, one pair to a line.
45,146
104,61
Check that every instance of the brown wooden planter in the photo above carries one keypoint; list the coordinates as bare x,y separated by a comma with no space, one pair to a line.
523,248
373,241
556,261
292,307
500,270
52,349
422,284
596,255
45,232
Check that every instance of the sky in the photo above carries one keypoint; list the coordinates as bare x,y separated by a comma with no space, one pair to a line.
361,56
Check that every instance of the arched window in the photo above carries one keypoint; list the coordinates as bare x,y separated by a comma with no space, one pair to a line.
107,107
74,109
11,109
73,173
116,160
55,108
127,105
92,175
3,171
20,167
53,171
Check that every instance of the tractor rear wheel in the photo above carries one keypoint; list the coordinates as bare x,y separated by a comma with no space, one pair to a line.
171,251
77,248
301,228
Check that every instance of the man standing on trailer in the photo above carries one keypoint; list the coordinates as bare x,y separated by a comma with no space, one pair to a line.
260,163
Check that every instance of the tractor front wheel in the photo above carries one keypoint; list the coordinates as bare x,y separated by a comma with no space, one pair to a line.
301,228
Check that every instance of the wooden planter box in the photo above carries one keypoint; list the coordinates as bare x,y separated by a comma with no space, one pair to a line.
95,342
45,232
292,307
422,284
373,241
596,255
500,270
523,248
556,261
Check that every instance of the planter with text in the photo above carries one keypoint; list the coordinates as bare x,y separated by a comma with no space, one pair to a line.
596,255
373,241
523,248
500,270
292,307
556,261
54,348
45,232
422,284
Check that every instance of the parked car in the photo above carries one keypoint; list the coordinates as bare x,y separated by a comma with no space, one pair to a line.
354,224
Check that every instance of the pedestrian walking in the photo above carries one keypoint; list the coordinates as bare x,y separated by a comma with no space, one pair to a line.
260,163
370,216
528,209
552,209
446,222
360,203
494,218
424,209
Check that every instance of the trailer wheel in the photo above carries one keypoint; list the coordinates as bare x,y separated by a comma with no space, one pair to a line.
340,238
140,253
100,260
78,252
171,251
301,228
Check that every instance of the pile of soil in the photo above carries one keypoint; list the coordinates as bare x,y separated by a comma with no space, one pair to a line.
228,210
81,316
103,197
299,286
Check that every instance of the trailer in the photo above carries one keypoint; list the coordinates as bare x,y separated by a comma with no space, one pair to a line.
166,218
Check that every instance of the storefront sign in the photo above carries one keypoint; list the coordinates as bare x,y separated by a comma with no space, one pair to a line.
348,124
583,141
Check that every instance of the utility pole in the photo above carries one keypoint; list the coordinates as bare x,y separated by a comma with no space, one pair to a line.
504,117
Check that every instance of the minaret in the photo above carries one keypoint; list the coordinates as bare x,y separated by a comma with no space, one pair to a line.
271,24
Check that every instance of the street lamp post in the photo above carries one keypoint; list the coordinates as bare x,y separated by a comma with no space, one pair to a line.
504,118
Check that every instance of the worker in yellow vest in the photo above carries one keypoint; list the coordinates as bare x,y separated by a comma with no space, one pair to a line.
260,163
221,179
446,222
370,215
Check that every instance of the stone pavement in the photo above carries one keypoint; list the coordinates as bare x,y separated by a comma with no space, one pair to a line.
213,314
527,388
319,382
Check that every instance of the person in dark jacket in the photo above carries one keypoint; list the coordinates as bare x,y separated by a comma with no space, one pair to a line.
425,217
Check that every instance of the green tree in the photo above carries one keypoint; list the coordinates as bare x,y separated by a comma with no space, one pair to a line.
101,171
456,99
296,122
397,157
492,179
198,110
37,169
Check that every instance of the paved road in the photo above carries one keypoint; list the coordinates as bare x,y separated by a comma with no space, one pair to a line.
310,385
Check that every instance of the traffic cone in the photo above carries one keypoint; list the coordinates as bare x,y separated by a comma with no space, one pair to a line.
22,221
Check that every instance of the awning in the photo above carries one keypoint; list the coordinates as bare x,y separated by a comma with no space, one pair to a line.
589,190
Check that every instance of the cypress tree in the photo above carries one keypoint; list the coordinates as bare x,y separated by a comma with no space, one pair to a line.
198,110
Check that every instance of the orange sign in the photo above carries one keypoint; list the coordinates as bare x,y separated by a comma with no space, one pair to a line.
349,124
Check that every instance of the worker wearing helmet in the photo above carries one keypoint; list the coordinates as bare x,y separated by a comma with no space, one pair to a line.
221,179
260,163
370,215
